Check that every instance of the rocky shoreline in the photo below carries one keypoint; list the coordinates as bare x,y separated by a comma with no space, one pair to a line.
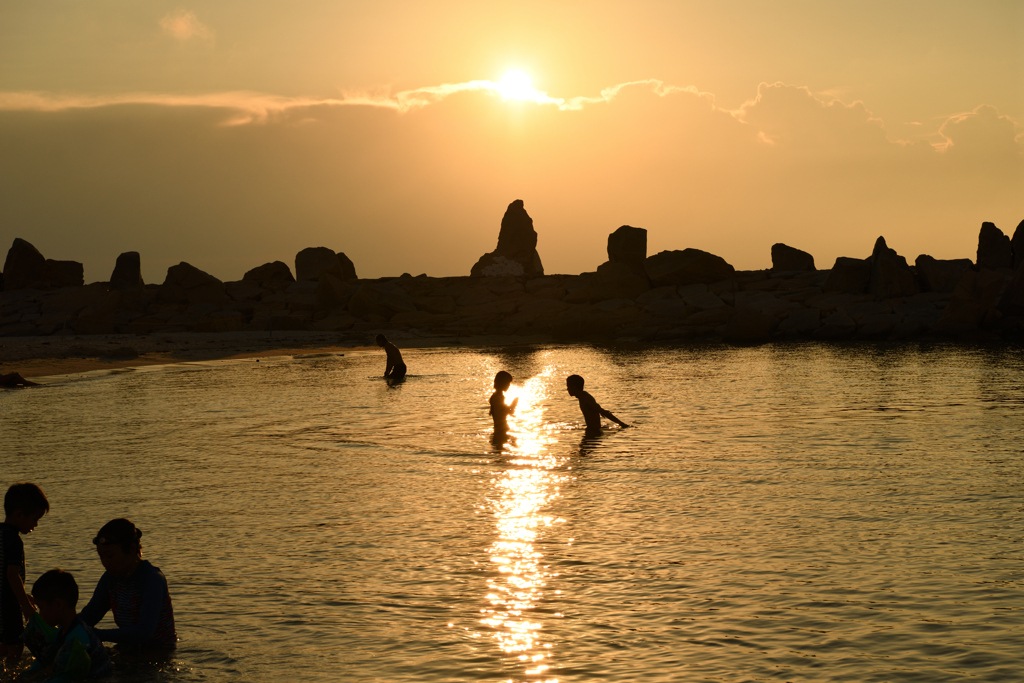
672,295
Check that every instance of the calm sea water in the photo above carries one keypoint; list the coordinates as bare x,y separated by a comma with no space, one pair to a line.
779,513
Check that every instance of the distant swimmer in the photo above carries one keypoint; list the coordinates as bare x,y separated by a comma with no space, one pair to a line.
396,366
13,379
592,412
499,409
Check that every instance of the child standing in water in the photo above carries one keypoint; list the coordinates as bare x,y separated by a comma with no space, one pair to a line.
499,409
24,505
133,589
592,411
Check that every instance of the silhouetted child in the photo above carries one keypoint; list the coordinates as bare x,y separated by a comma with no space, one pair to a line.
592,412
24,506
499,409
395,368
133,589
72,651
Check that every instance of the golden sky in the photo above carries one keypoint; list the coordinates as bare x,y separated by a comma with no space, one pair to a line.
232,133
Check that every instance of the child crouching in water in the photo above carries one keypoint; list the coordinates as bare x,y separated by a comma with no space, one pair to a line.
133,589
70,649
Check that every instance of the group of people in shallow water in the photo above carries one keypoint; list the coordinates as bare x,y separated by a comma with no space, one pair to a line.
64,641
591,409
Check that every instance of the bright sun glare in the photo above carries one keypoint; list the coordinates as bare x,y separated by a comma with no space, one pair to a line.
515,85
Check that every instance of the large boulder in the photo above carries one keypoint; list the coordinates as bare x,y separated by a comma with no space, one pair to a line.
186,284
890,277
312,262
628,246
850,275
25,267
938,275
127,271
516,253
686,267
618,280
276,271
1017,245
786,258
994,251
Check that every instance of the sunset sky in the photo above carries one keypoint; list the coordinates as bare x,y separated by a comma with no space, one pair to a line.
232,133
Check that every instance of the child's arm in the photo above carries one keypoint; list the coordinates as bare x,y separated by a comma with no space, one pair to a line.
608,414
512,406
28,607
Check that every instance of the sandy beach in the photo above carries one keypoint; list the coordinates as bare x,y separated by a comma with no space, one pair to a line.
35,357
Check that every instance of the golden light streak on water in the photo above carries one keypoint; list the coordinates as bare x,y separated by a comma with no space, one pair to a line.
528,482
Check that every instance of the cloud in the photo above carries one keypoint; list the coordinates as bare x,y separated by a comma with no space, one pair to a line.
184,25
982,131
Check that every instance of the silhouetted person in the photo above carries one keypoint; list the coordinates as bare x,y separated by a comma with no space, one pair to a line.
396,366
592,412
499,409
13,379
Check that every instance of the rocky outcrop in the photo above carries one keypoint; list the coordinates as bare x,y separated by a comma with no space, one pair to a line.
516,253
271,273
786,258
890,276
686,267
187,284
994,251
849,275
940,275
1017,245
312,262
127,271
26,268
695,296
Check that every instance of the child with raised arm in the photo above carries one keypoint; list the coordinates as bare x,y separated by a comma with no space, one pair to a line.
592,411
72,651
133,589
499,409
24,505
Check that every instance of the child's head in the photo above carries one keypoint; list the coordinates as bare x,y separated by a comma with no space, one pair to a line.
119,546
502,381
56,596
574,384
381,340
24,505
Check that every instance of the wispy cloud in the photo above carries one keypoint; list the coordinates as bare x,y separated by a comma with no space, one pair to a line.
184,25
257,107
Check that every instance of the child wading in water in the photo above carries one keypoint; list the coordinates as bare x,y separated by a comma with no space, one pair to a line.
592,411
499,409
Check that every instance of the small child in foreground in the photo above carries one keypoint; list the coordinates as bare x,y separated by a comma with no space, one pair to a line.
72,651
499,409
24,506
592,411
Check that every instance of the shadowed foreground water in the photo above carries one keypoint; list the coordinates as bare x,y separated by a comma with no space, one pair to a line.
790,513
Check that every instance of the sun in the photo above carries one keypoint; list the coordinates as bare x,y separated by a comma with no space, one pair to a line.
515,85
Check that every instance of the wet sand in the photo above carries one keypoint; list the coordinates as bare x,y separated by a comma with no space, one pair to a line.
35,357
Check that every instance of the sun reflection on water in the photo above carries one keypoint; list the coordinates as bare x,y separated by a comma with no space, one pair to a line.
522,491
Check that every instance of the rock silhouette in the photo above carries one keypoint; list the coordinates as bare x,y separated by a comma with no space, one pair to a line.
994,249
26,268
785,258
127,271
678,296
310,263
516,253
1017,245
